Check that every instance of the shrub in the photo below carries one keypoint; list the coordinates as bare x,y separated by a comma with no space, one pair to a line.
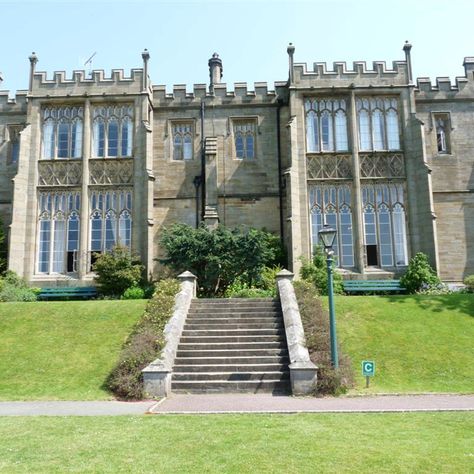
144,343
316,327
469,282
419,274
265,286
3,248
14,288
117,270
218,256
133,293
315,271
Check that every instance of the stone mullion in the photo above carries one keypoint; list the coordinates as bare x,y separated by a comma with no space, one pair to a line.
84,225
357,218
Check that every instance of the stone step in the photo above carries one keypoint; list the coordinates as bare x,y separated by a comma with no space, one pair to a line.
221,386
232,339
232,353
218,319
231,376
232,332
231,345
227,326
229,360
231,368
233,309
219,301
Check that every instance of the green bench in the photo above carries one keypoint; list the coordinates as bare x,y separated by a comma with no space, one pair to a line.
68,292
362,286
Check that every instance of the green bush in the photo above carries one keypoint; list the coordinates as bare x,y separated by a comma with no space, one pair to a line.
315,321
14,288
144,343
265,286
218,256
3,248
116,271
469,282
315,271
419,275
133,293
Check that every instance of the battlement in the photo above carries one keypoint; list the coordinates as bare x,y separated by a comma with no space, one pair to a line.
80,82
13,105
359,75
444,84
241,93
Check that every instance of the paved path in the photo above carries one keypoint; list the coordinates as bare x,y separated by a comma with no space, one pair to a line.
242,403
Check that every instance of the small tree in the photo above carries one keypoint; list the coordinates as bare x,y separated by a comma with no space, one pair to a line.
315,271
419,274
117,270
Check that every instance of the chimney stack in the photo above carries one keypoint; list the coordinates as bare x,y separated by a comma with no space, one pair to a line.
215,71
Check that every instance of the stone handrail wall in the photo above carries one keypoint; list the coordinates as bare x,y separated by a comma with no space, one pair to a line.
303,373
157,375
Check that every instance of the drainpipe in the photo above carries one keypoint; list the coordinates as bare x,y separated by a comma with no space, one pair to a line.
280,182
203,164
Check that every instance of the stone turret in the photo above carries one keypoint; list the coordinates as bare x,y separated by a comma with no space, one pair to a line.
215,71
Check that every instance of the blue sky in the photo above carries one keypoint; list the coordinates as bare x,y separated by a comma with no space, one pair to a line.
250,36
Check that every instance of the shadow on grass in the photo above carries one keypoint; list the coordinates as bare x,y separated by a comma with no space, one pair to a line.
463,303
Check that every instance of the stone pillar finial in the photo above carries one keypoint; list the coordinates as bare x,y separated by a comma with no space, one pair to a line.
145,57
33,60
407,48
291,51
215,71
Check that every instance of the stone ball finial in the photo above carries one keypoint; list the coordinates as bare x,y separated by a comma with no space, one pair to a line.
33,58
145,54
291,49
407,46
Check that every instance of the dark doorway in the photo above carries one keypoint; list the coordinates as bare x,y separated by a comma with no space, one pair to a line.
372,260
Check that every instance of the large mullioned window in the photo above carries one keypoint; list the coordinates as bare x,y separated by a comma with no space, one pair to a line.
59,225
182,140
112,131
384,225
244,139
378,123
62,132
326,125
331,204
111,220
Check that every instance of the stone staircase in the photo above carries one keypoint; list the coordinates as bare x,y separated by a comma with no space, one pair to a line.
232,345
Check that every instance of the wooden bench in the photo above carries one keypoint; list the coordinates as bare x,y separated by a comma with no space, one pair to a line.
370,286
68,292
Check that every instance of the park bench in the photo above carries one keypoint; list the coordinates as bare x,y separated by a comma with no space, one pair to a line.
371,286
68,292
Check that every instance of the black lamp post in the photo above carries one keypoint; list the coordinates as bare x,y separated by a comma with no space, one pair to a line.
328,235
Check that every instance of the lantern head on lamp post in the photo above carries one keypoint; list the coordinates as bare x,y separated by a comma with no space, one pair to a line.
328,235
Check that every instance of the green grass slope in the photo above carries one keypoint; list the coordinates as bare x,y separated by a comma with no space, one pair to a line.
419,343
62,350
300,443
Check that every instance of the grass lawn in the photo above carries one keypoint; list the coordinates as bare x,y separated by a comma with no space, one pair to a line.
419,343
306,443
62,350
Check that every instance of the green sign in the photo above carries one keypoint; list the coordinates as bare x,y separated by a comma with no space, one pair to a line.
368,368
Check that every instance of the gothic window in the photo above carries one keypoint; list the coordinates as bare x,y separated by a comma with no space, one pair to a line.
384,225
331,204
111,220
62,132
326,125
14,139
112,131
442,126
378,123
244,139
182,133
58,232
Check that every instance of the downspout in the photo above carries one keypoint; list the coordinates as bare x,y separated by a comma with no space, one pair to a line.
203,164
280,181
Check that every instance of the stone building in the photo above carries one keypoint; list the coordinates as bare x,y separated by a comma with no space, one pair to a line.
89,161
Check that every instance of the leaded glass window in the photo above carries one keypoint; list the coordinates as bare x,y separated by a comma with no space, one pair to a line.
182,141
331,204
443,128
326,125
378,123
62,132
244,139
111,220
112,131
58,232
384,225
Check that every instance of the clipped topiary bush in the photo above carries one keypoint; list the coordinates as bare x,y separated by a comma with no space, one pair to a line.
316,327
133,293
144,343
419,275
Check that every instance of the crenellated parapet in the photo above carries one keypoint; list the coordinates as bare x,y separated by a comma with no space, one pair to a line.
240,94
13,105
82,83
359,75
